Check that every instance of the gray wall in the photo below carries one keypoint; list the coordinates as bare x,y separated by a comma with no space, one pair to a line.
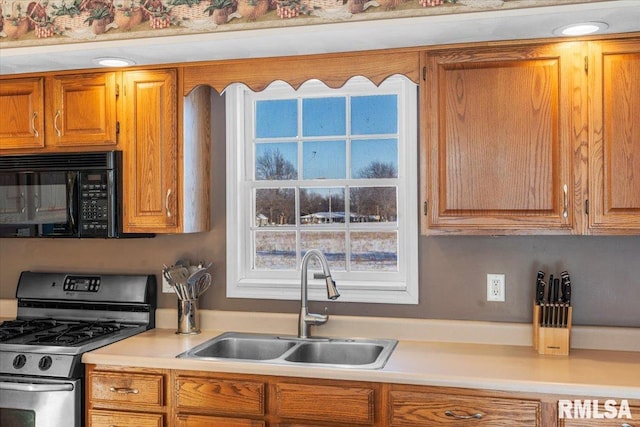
605,271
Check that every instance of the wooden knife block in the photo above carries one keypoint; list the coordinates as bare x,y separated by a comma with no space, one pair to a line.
551,339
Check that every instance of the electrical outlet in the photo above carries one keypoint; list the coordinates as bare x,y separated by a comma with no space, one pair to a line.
495,287
166,287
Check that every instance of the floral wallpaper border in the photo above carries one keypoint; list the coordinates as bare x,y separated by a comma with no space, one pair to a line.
37,22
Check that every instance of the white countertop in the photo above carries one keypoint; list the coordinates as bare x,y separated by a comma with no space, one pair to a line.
596,373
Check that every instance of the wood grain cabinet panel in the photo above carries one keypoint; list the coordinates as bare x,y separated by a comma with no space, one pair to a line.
347,404
614,145
81,110
220,396
150,151
499,140
22,118
126,388
101,418
210,421
571,417
426,409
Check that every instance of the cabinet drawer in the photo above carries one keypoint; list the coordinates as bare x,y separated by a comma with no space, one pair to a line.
124,419
439,409
590,419
112,387
349,405
220,396
207,421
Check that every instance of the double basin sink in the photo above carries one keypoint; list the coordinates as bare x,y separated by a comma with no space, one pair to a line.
286,350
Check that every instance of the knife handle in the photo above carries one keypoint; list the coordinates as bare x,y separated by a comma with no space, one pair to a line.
539,287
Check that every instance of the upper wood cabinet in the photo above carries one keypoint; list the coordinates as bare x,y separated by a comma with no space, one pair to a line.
614,137
150,151
501,136
166,172
81,110
73,110
22,118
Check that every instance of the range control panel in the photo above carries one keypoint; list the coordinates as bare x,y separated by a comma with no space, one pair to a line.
82,283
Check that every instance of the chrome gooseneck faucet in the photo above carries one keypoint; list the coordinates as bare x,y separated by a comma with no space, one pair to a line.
306,319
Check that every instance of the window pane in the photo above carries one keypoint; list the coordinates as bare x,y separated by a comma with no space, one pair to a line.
324,160
324,116
277,118
374,158
321,205
373,204
374,251
277,161
374,114
331,243
275,206
275,250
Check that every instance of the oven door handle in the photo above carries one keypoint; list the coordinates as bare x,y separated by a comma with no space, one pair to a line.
11,386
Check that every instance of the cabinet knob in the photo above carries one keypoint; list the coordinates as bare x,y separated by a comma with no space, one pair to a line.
462,417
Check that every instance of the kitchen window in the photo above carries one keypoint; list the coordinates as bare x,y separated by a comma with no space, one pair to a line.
325,168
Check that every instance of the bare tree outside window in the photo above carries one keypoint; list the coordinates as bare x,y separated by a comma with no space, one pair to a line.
272,165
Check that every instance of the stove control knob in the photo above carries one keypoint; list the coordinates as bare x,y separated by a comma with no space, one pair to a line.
19,361
45,363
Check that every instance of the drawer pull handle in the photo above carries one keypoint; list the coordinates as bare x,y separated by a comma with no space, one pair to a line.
124,390
626,425
462,417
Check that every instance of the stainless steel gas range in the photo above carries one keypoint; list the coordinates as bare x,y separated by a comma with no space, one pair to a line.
60,316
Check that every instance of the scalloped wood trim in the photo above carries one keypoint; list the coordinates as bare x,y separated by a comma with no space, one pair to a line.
334,70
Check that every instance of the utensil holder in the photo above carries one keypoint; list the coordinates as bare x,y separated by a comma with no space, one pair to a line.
188,317
552,328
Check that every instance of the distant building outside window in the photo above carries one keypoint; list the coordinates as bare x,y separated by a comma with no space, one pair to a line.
332,169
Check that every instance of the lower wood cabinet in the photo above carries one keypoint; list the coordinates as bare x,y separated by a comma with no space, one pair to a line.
209,421
348,404
127,397
427,409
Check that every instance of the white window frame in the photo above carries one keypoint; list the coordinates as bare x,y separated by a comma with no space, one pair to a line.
376,287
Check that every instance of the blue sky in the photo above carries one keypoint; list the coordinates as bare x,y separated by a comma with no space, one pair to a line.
324,121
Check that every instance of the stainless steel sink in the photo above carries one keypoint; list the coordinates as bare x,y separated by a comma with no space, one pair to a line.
274,349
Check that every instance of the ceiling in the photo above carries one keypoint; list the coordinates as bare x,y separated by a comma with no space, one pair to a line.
622,16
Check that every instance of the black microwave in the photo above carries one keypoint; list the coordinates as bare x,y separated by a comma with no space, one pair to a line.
62,195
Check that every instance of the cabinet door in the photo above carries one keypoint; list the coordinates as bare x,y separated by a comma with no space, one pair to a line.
150,151
499,128
22,118
100,418
81,110
614,145
349,404
209,421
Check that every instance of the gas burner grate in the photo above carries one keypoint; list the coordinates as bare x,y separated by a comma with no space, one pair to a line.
10,329
76,333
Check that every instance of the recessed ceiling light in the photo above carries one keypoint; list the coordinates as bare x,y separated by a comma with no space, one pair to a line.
113,62
580,29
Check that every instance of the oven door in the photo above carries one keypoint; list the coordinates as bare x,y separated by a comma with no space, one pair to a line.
35,402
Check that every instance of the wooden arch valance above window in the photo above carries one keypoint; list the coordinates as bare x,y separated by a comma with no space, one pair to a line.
333,69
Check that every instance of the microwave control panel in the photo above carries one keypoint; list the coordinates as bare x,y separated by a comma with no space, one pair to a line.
94,204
